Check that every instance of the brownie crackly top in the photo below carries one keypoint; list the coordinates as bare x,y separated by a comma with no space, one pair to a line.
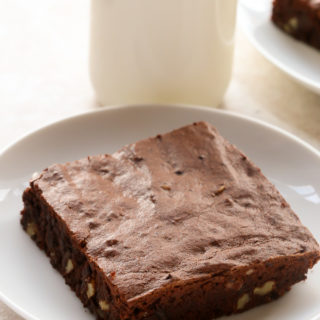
177,206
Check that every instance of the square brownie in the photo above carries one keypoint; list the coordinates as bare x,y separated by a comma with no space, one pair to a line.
299,18
178,226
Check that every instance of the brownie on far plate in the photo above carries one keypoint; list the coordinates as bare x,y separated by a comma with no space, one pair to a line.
179,226
299,18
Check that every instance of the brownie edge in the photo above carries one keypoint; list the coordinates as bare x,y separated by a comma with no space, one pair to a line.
179,226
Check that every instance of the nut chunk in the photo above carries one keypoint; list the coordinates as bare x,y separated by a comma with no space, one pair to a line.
265,289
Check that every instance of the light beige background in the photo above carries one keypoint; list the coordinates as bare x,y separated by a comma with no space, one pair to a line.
44,77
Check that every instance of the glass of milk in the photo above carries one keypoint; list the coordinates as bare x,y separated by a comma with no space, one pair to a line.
161,51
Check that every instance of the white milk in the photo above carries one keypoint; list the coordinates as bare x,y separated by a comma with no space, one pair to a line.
163,51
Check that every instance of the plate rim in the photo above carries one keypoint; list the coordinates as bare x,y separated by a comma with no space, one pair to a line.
106,109
17,309
296,76
22,312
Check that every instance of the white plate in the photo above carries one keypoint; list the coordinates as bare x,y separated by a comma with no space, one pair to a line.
297,59
27,281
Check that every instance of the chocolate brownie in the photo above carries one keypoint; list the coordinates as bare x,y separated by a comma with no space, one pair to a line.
179,226
299,18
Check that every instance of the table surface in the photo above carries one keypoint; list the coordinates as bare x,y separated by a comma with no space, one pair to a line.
44,77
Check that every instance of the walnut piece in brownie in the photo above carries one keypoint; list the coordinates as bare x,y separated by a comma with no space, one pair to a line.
179,226
299,18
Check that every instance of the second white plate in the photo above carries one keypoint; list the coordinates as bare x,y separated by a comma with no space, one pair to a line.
29,284
295,58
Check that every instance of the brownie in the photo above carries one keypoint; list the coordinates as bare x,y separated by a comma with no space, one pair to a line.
299,18
178,226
